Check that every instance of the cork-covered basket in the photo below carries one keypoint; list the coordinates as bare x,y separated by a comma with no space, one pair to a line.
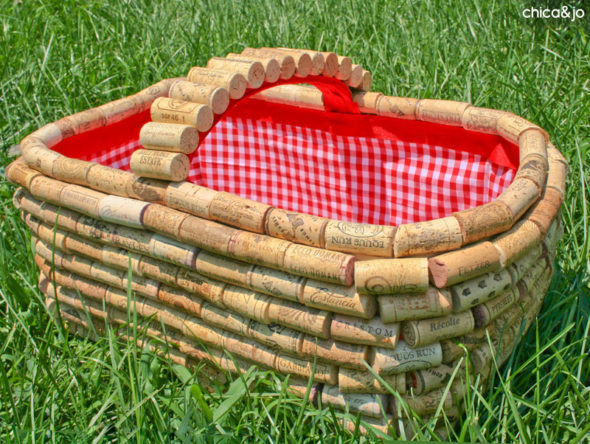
313,236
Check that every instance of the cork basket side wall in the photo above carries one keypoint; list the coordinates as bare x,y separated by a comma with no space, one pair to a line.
238,275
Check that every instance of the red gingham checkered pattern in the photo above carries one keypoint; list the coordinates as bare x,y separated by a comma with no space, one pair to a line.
347,178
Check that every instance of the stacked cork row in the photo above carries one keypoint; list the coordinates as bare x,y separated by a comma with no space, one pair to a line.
380,317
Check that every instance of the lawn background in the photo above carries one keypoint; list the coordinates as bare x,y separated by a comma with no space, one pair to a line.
60,57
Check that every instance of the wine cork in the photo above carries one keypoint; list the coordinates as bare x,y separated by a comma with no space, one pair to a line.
298,387
386,276
426,380
445,112
370,332
356,76
320,264
31,222
511,126
119,257
286,61
179,299
367,81
161,219
367,404
301,318
480,289
181,112
321,372
486,312
191,198
257,249
50,254
193,328
545,210
272,68
484,221
38,156
532,274
432,303
25,202
238,211
122,211
430,402
158,270
108,180
224,319
558,169
223,269
88,120
145,97
419,333
84,247
107,275
318,62
376,240
403,358
534,168
118,110
146,189
174,137
172,251
47,189
339,299
201,286
457,266
276,283
276,336
427,237
53,236
217,98
82,200
247,302
517,241
367,101
253,72
481,358
18,172
331,64
296,227
296,95
71,170
519,267
206,234
519,196
66,219
49,134
341,353
482,120
400,107
160,165
234,82
344,68
362,381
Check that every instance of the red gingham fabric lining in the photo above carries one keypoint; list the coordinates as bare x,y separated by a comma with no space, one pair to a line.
371,172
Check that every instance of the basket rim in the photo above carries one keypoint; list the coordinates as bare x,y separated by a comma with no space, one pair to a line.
533,142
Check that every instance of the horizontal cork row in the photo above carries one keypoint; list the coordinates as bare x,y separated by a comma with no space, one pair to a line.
334,298
372,277
423,391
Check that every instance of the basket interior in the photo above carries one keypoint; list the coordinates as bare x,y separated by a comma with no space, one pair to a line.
352,167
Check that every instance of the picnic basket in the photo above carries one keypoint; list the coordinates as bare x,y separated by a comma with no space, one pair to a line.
269,209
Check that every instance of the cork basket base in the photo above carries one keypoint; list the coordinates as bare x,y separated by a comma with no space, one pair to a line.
308,296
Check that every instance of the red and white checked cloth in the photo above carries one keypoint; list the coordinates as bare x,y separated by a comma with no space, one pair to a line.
357,179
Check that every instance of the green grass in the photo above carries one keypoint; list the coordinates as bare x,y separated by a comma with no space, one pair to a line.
59,57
